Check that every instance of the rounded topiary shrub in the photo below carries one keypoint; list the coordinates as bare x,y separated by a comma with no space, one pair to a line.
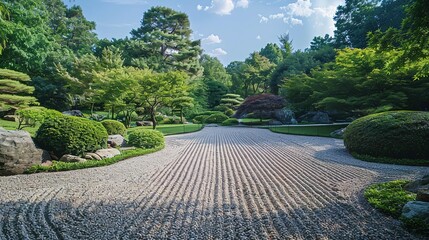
71,135
146,138
230,122
216,118
114,127
199,119
396,134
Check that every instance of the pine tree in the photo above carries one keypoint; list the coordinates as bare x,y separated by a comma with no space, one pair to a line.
14,91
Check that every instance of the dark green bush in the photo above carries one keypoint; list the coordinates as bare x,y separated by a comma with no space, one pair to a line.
200,119
146,138
71,135
230,121
114,127
396,134
229,112
216,118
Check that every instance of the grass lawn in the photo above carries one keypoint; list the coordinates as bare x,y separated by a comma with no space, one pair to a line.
172,129
8,125
309,130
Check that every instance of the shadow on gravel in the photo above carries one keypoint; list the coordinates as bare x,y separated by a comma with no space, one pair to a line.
185,220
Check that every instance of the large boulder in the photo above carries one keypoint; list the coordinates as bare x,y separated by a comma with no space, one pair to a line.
107,153
144,123
284,115
75,113
11,118
420,184
17,152
71,158
116,141
315,117
416,209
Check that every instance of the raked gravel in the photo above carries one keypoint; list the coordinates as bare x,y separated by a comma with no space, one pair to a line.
219,183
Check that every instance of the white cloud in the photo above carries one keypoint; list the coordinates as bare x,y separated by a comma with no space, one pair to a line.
243,3
277,16
217,52
295,21
212,39
300,8
258,37
199,7
126,2
262,19
222,7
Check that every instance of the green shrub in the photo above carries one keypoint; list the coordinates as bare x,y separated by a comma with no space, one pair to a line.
389,197
71,135
206,113
146,138
114,127
200,119
230,121
398,134
216,118
229,112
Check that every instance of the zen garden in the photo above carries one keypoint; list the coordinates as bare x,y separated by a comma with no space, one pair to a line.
163,134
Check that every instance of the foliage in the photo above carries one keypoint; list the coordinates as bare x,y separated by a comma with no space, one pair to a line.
321,131
216,118
173,129
15,91
230,122
114,127
71,135
180,104
146,138
163,42
389,197
66,166
261,102
31,116
160,89
273,52
397,134
200,119
256,74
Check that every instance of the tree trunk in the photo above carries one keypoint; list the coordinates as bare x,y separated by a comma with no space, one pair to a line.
152,115
181,116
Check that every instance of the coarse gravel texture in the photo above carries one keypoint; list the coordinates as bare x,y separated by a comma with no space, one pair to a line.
219,183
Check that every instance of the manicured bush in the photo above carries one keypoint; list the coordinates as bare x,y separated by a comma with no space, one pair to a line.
71,135
200,119
216,118
114,127
229,112
146,138
230,121
396,134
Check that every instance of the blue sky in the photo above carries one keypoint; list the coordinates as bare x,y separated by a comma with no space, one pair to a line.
229,29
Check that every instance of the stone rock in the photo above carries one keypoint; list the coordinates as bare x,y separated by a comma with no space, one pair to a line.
76,113
315,117
116,140
17,152
11,118
285,116
417,185
416,209
274,122
212,125
144,123
92,156
107,153
423,195
71,158
339,133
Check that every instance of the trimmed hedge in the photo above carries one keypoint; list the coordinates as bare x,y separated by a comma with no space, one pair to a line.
71,135
114,127
200,119
396,134
216,118
230,122
146,138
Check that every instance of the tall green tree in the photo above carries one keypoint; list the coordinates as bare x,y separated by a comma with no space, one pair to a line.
179,104
273,52
159,89
163,42
256,74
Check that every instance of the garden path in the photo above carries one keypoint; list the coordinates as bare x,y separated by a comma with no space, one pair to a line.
217,183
